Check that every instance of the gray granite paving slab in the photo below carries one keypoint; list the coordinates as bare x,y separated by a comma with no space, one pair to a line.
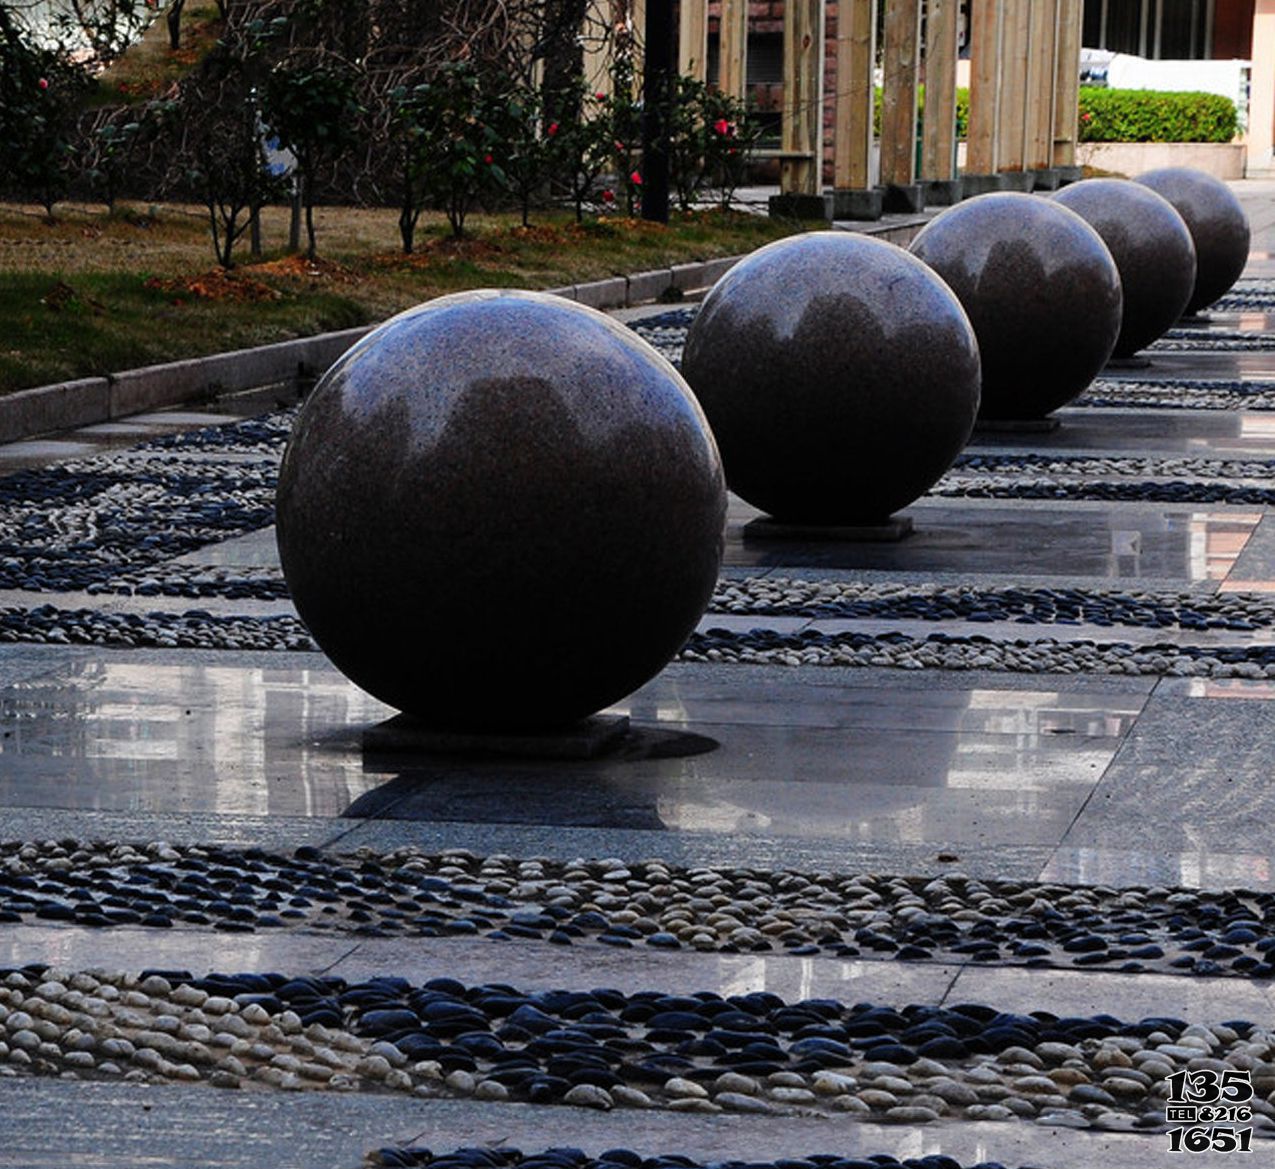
528,965
1190,776
1129,997
1200,867
277,833
705,848
117,1126
1105,542
1255,565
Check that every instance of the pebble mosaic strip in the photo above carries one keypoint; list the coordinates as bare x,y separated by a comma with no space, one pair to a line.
1246,295
77,524
662,906
787,596
945,651
968,487
1179,394
1196,340
200,630
1123,465
601,1049
416,1157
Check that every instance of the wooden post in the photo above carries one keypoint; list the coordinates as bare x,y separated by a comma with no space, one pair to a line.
856,57
802,133
1042,72
938,136
732,55
898,97
599,44
1014,85
635,20
692,39
982,145
1071,16
1260,135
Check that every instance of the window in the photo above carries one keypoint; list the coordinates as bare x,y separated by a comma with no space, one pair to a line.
1177,30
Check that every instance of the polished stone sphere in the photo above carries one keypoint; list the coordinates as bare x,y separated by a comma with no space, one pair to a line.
1042,292
1152,249
1217,224
501,511
839,374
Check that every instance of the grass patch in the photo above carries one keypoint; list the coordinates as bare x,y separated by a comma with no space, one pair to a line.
93,293
149,68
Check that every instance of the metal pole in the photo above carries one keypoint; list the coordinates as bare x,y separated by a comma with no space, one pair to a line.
655,95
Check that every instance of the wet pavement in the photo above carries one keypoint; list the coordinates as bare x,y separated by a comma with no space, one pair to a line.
1063,778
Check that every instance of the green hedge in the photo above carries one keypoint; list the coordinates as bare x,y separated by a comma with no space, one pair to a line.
1147,115
962,110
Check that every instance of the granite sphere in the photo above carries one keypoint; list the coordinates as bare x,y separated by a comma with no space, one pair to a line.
839,374
1217,224
1042,292
501,511
1151,246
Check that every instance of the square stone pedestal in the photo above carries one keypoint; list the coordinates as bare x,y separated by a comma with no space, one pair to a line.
789,206
943,192
891,531
858,204
983,184
904,198
1016,425
587,739
1019,180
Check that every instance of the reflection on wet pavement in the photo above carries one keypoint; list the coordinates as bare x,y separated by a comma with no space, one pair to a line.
111,733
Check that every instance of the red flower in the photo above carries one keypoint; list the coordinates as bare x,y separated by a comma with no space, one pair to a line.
553,129
636,178
487,158
43,83
619,147
600,96
721,126
608,196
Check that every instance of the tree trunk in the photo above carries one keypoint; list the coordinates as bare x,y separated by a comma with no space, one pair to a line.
174,19
294,224
311,250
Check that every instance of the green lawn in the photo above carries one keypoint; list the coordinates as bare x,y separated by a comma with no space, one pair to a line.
91,294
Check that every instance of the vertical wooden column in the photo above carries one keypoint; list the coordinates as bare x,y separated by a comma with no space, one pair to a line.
599,44
1071,18
982,144
856,60
900,56
732,54
635,18
938,135
1260,134
1042,73
1013,119
802,132
692,39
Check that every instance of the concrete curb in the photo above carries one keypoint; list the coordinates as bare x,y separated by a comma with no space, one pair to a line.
87,401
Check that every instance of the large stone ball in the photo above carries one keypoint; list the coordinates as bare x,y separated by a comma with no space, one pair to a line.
1152,249
1217,224
501,511
1042,292
840,376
